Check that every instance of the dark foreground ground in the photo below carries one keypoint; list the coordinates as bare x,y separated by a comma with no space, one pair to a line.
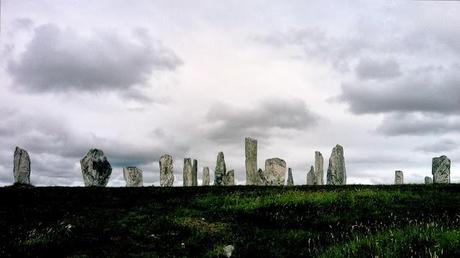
348,221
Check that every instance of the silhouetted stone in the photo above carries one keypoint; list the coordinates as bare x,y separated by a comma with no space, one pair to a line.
206,176
336,172
166,170
428,180
21,167
250,147
220,170
95,168
441,170
132,176
311,176
290,179
187,172
319,169
275,171
195,173
399,177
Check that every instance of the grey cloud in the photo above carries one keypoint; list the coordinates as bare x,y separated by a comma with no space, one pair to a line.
418,124
61,60
438,146
228,123
377,69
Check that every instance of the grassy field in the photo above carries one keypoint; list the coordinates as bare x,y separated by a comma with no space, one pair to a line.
322,221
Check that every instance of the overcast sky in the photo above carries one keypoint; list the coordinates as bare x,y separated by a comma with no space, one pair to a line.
138,79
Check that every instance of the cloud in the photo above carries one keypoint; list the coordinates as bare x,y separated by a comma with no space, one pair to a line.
62,60
438,146
377,69
418,124
228,123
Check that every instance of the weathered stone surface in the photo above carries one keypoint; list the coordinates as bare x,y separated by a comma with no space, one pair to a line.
290,179
21,168
319,169
187,172
195,173
132,176
262,179
275,171
399,177
250,147
336,172
95,168
229,178
166,170
206,176
221,169
428,180
311,176
441,170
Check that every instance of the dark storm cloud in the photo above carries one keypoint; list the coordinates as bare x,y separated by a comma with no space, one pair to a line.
418,124
61,60
228,123
377,69
438,146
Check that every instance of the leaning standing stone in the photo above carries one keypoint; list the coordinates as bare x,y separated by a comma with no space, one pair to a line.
399,177
250,148
428,180
95,168
229,178
166,170
21,168
290,179
441,170
206,177
311,176
220,170
195,173
132,176
275,171
187,172
319,170
336,173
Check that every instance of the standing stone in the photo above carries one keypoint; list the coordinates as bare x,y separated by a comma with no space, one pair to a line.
206,177
195,173
275,171
262,179
399,177
311,176
336,173
250,147
95,168
132,176
290,179
166,170
187,172
319,169
441,170
21,167
428,180
229,178
221,169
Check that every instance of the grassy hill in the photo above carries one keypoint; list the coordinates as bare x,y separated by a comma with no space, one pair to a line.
308,221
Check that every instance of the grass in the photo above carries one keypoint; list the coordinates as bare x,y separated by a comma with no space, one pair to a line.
313,221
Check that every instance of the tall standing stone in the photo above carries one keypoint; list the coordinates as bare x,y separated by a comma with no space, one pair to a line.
166,170
132,176
206,176
21,167
275,171
250,148
187,172
290,179
195,173
428,180
441,170
319,169
95,168
229,178
336,172
399,177
221,169
311,176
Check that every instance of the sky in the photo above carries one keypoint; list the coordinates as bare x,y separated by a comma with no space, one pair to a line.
139,79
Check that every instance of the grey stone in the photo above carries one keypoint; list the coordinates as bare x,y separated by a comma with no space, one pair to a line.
336,172
187,172
319,169
311,176
132,176
221,169
166,170
275,171
21,167
228,250
428,180
262,179
441,170
206,176
399,177
195,173
290,179
250,148
95,168
229,178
